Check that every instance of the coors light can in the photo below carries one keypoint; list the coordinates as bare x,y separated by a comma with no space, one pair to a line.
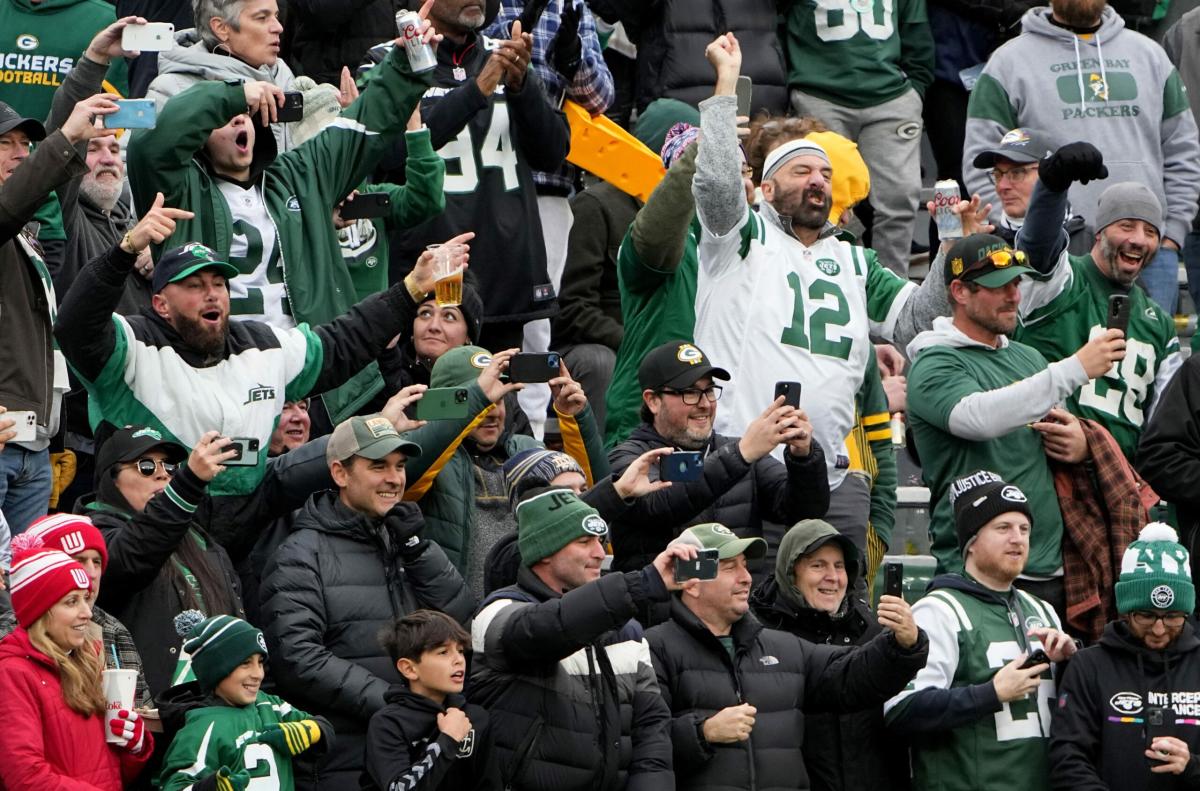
420,54
945,198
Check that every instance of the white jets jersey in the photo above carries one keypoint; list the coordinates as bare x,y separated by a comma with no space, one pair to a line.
769,309
258,292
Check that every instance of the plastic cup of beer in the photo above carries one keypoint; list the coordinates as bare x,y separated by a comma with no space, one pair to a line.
448,274
118,687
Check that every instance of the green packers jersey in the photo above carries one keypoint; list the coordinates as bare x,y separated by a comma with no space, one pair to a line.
216,736
1062,312
972,634
944,376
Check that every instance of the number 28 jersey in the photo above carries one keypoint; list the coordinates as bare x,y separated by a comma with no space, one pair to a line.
770,309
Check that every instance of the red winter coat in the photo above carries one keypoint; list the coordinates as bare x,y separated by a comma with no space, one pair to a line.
44,744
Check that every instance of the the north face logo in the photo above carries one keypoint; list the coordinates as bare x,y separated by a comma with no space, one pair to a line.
260,393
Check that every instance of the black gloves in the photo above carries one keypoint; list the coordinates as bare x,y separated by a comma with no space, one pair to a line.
404,524
531,14
1080,162
567,49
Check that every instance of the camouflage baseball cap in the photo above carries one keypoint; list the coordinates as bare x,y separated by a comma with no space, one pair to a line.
712,535
369,436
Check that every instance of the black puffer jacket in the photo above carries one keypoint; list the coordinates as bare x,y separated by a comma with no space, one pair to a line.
732,491
139,587
782,677
842,752
325,594
569,687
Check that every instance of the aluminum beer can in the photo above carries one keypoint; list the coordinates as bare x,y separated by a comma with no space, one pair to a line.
945,198
420,55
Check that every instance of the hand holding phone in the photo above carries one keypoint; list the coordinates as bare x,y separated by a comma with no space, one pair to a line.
533,367
150,37
681,466
292,108
1038,657
893,579
131,114
790,392
1118,312
366,205
246,452
704,567
442,403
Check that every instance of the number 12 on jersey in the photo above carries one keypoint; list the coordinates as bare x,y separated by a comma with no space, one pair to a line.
816,337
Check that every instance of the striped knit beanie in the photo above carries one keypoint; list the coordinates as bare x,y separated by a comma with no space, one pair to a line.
40,577
219,644
72,533
535,467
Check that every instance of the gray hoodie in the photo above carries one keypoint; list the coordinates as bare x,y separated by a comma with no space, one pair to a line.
191,61
1115,89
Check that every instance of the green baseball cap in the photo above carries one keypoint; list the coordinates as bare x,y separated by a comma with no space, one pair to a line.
712,535
369,436
459,367
985,259
178,263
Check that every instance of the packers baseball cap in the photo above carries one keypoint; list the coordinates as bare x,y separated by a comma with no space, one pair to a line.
460,366
180,262
10,119
134,442
369,436
1022,145
676,364
712,535
984,259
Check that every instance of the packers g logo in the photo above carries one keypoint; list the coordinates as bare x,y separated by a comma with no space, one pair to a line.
27,41
957,266
689,354
828,266
481,360
1162,597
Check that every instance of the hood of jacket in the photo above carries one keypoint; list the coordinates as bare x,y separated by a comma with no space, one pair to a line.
965,584
944,333
743,631
807,536
325,513
17,645
400,695
192,57
176,702
1036,22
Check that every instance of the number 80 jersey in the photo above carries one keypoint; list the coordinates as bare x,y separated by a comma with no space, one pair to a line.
769,308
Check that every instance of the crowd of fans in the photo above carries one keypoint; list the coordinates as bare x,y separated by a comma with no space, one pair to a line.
354,434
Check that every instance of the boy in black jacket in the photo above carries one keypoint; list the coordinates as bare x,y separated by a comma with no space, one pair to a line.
428,736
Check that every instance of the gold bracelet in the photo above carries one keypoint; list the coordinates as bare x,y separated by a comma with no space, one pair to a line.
414,290
127,243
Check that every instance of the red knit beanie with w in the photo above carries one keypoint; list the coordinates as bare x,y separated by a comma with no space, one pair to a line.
40,578
72,533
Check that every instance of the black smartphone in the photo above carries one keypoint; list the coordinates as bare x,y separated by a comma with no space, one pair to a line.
292,109
247,452
1158,725
704,567
893,579
367,205
442,403
681,466
1118,312
533,367
744,90
790,392
1038,657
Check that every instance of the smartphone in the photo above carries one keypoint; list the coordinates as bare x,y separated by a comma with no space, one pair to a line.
1038,657
744,90
132,114
682,466
790,392
151,37
292,109
442,403
704,567
24,423
367,205
893,579
1118,312
1158,725
533,367
247,452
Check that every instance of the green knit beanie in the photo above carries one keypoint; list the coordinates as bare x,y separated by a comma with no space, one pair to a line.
1156,573
459,366
549,520
219,644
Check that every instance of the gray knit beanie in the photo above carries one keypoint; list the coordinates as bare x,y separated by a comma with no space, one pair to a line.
1129,200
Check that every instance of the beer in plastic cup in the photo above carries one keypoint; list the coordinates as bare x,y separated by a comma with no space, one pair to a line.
448,274
119,687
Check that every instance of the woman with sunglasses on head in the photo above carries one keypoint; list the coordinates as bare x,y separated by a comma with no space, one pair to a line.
52,702
160,562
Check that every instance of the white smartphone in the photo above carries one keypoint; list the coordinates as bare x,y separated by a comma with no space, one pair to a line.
25,425
151,37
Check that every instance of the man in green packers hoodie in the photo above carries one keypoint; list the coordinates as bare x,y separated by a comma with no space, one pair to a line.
40,43
270,215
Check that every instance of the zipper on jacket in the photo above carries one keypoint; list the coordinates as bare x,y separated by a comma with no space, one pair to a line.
737,687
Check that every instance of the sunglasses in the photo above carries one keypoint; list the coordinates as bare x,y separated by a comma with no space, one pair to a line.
147,467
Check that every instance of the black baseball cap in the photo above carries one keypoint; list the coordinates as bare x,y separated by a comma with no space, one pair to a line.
10,119
984,259
189,259
132,442
676,364
1023,145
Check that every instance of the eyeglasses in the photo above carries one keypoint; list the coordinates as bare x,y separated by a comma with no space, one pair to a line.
691,396
147,467
1016,175
1146,620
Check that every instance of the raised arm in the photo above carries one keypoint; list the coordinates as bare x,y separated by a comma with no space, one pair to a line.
717,185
